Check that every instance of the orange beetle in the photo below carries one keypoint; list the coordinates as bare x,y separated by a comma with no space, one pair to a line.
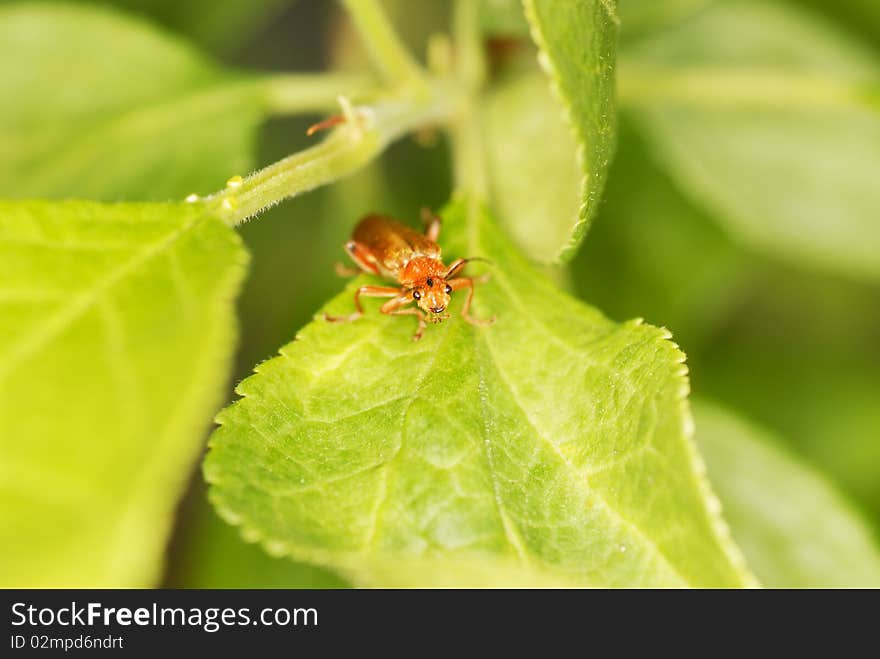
384,247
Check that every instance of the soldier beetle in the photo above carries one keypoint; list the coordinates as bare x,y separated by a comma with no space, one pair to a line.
381,246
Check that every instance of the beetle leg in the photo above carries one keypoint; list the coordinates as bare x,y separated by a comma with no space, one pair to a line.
393,308
369,291
362,257
468,283
432,224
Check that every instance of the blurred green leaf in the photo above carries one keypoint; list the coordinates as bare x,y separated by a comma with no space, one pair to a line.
117,332
798,351
641,16
577,43
106,107
801,355
794,528
861,16
359,450
220,26
652,254
777,130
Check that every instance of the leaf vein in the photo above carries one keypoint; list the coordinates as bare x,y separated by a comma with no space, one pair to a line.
382,499
80,304
580,475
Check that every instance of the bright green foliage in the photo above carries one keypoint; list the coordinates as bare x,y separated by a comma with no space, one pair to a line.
104,107
794,528
550,449
577,43
776,130
555,439
117,331
535,189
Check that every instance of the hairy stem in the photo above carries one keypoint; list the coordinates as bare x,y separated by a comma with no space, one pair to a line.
364,136
415,101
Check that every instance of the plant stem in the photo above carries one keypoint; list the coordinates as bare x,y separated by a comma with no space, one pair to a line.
468,155
470,68
317,92
384,46
346,149
416,101
470,58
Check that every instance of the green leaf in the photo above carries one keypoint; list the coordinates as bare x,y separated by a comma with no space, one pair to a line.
577,51
776,130
794,528
106,107
800,356
221,26
211,554
536,190
641,16
555,439
860,16
117,331
793,349
652,253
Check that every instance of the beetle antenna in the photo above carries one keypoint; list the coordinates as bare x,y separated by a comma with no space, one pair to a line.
460,263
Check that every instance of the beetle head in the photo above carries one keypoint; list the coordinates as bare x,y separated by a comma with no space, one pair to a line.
432,296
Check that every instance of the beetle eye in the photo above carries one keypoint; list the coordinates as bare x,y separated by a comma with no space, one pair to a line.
417,295
430,282
448,289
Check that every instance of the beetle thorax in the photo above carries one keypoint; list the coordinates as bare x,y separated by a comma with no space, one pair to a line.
420,268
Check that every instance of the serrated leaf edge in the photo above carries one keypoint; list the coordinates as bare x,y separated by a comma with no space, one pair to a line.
350,564
714,508
582,223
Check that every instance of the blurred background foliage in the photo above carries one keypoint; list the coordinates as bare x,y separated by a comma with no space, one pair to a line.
793,349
